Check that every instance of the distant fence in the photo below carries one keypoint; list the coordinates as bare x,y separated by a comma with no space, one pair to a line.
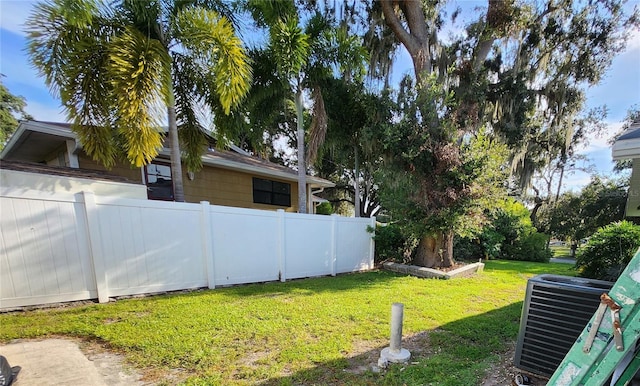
76,247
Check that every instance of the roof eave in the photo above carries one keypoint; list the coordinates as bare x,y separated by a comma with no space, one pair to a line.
314,182
46,128
39,127
625,149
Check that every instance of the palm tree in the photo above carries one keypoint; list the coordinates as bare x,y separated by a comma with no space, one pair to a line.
119,67
305,58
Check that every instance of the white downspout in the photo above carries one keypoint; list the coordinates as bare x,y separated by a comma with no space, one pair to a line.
311,204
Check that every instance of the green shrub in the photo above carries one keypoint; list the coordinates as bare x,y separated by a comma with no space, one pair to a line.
465,249
609,251
324,208
531,247
508,235
390,243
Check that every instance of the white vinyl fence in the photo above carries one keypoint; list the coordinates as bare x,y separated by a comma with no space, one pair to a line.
74,247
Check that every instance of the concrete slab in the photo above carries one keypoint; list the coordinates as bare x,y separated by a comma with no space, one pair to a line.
61,362
429,273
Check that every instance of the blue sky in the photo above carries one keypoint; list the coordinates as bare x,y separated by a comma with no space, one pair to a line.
619,90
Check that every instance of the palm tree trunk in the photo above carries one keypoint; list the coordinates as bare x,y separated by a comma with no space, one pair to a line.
356,200
302,169
176,161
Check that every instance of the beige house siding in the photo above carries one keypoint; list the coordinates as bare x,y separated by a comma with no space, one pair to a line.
230,188
216,185
122,170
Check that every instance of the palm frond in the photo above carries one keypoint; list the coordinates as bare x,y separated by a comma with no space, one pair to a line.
68,45
212,40
140,72
268,12
186,79
318,129
290,46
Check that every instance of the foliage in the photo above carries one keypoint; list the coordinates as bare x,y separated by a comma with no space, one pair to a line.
608,251
304,331
430,181
390,243
518,70
11,107
530,247
324,208
507,234
434,177
307,49
576,216
349,156
121,67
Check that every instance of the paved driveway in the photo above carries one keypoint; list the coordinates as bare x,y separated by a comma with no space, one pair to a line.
61,362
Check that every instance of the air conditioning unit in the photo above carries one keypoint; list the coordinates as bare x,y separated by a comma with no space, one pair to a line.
556,310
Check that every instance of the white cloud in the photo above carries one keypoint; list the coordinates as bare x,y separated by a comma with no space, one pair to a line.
574,182
13,14
601,142
633,44
48,112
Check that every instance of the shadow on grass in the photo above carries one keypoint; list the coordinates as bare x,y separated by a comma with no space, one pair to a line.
457,353
304,286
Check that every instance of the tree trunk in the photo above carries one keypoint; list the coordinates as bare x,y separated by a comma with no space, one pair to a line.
302,169
417,40
435,251
356,199
537,204
176,160
560,182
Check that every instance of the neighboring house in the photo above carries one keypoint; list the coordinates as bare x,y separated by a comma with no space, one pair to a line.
627,146
228,177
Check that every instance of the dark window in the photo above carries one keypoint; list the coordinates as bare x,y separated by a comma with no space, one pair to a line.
271,192
158,180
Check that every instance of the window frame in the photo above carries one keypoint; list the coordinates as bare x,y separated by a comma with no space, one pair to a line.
145,173
277,194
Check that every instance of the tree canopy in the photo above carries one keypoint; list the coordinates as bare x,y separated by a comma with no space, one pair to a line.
122,69
517,71
11,109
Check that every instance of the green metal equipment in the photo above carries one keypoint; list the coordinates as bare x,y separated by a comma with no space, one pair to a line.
609,339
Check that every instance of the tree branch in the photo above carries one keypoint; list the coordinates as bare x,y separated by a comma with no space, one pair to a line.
396,26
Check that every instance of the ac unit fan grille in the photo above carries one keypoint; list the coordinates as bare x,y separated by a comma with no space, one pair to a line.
554,318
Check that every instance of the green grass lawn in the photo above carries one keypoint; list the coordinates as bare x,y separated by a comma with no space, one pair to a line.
561,251
313,331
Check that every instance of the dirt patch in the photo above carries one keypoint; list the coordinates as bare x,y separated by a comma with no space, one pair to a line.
364,357
504,372
112,366
116,371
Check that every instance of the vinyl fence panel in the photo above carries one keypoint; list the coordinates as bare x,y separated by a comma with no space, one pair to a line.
150,246
354,245
246,245
64,247
44,255
308,245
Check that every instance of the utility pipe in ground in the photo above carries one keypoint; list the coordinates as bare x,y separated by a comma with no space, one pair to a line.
395,353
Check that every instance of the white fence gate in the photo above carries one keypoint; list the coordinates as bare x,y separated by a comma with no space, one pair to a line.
74,247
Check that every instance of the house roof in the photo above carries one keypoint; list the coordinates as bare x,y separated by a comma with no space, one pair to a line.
34,140
628,144
62,171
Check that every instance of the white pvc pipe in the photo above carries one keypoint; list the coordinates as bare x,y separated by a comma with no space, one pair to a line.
397,310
